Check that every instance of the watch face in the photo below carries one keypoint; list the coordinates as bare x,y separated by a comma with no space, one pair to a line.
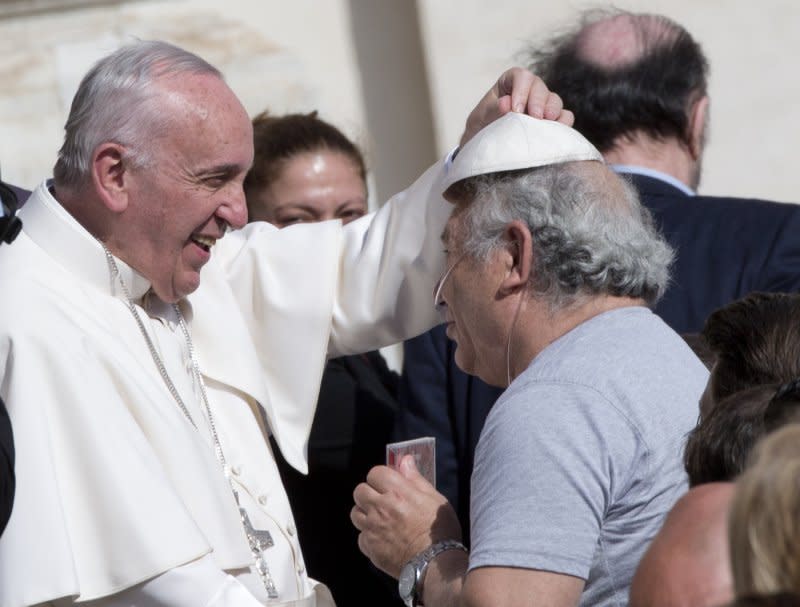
407,581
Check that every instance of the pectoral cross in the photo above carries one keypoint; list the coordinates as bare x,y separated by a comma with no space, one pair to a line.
259,540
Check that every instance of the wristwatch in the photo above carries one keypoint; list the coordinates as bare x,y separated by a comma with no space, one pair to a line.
409,584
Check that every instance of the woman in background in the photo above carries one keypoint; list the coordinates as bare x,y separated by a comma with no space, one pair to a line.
306,170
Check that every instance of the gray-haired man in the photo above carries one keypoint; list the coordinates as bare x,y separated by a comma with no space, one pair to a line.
553,261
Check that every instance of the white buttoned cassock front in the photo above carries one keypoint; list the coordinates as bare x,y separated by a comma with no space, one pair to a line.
115,486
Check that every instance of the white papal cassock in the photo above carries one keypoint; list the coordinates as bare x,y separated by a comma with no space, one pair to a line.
114,485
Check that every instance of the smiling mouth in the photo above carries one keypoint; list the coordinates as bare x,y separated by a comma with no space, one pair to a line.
204,242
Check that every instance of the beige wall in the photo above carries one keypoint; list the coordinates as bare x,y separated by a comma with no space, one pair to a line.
412,93
294,58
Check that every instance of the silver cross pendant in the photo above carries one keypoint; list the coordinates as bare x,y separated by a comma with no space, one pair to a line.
259,540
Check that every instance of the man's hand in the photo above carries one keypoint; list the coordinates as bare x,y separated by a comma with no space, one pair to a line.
517,90
400,514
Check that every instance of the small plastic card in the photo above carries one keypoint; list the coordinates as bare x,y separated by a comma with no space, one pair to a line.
424,452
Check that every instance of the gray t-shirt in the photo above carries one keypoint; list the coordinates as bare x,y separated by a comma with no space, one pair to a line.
581,457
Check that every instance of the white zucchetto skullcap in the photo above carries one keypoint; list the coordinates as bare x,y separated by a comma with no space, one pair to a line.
518,141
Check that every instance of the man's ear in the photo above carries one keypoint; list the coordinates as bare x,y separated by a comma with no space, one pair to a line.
698,116
110,176
520,257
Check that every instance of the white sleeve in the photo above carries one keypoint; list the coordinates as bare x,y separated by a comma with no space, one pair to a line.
354,288
197,584
315,290
389,268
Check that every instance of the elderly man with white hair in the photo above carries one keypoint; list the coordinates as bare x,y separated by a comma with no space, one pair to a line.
553,263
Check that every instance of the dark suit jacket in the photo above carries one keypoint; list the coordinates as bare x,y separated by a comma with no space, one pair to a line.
725,249
7,478
22,195
355,412
438,399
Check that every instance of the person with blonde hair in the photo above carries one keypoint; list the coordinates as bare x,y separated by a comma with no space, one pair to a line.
764,523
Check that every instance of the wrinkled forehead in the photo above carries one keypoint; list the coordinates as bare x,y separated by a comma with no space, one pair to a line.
199,96
201,110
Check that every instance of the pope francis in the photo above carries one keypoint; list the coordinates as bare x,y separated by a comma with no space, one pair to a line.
142,396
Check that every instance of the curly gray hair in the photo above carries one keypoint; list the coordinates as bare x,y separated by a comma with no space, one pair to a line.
590,233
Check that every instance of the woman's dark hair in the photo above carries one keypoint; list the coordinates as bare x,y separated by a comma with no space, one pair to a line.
277,139
781,599
756,340
718,448
784,408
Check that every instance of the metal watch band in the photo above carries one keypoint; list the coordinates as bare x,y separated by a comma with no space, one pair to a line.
424,558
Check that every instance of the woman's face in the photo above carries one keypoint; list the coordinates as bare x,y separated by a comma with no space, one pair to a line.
313,186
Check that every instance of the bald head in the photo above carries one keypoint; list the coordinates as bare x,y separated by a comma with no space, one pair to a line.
619,41
624,74
687,563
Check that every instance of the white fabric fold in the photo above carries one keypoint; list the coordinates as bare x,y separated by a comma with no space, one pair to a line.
114,487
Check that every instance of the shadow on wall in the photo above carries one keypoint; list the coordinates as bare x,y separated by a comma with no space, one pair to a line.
394,82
